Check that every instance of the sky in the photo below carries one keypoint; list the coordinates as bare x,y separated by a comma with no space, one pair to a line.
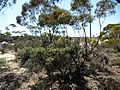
10,13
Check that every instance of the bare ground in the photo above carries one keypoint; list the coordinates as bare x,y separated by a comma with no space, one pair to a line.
14,68
25,84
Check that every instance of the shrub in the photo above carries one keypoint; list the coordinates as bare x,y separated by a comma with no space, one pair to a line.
65,63
2,62
32,58
24,55
36,61
113,43
116,62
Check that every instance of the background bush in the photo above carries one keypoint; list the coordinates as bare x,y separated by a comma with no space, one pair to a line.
2,62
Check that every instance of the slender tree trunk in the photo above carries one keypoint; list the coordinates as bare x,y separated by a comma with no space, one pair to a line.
66,30
90,24
90,30
100,25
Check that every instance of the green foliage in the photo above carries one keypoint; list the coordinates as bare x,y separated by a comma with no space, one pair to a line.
116,62
26,53
64,61
5,37
58,59
2,62
92,40
37,2
83,9
80,4
105,8
49,57
8,34
36,60
63,42
26,41
56,17
112,33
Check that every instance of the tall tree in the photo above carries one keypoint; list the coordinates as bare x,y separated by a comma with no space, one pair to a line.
54,20
104,9
83,9
112,31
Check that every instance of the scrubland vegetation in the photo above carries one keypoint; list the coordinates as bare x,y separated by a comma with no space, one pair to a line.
55,61
65,63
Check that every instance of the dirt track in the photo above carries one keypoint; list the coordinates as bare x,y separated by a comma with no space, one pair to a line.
10,62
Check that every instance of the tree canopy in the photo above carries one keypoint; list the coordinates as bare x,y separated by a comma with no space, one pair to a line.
113,30
118,1
5,3
57,16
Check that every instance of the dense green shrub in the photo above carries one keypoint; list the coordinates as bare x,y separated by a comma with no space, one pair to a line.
32,58
26,53
51,58
63,64
36,61
92,40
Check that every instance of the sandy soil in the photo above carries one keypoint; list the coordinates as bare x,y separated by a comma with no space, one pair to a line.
14,68
10,61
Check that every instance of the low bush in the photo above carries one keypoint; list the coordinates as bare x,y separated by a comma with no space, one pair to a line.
112,43
116,62
27,53
63,65
2,62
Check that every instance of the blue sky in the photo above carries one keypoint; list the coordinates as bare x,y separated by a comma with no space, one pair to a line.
9,17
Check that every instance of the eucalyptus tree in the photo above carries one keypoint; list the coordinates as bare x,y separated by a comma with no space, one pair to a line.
83,10
112,34
30,12
82,7
104,9
34,3
8,34
112,31
33,8
54,20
